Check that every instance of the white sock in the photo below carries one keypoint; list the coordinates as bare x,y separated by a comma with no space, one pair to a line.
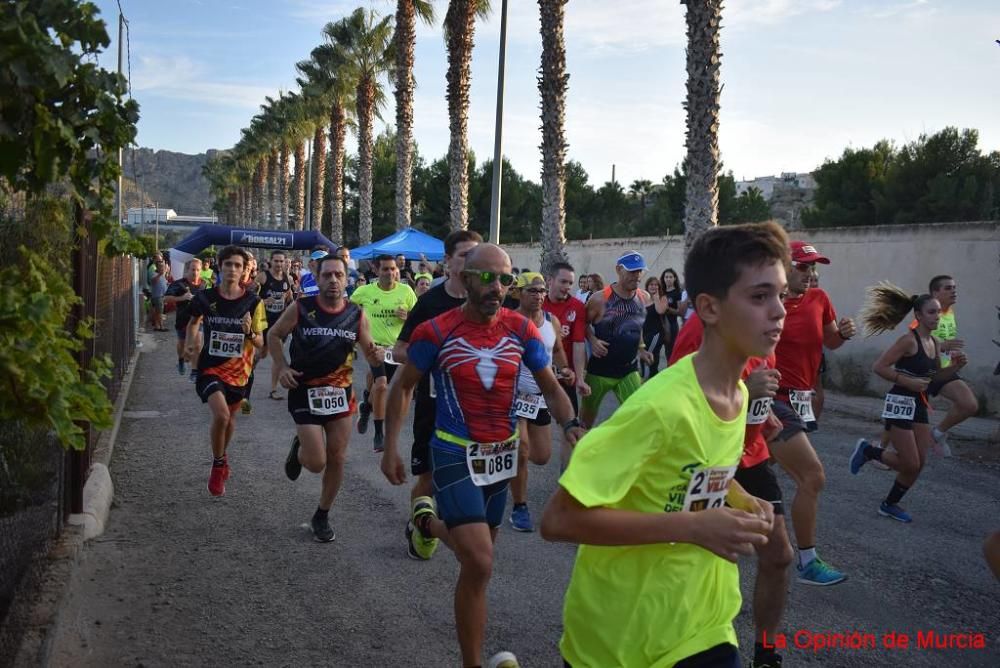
938,434
806,556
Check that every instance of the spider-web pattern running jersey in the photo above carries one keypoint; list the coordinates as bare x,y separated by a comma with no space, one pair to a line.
475,368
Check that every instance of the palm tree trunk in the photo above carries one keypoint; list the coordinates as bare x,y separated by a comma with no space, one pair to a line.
338,133
283,186
701,210
460,24
259,180
366,144
233,208
298,181
406,38
552,86
318,177
272,189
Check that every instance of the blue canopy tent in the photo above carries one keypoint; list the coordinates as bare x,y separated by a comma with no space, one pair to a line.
409,243
221,235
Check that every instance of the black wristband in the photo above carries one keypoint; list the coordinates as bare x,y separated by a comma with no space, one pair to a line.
378,371
569,424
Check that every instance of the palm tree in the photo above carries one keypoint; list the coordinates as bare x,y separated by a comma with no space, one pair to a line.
362,44
701,211
405,40
459,27
640,190
323,84
552,85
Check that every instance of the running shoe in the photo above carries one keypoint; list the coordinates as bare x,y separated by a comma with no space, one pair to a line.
322,532
520,519
364,414
245,407
941,447
180,367
193,376
503,660
217,481
767,659
379,443
421,547
895,512
293,467
858,458
819,573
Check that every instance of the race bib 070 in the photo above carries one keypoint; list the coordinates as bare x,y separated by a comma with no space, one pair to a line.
801,401
492,462
758,410
708,488
225,344
528,405
899,407
326,400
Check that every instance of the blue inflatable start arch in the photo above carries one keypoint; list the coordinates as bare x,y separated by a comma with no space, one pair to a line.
224,235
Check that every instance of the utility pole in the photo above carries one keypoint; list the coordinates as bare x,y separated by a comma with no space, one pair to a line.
121,152
498,133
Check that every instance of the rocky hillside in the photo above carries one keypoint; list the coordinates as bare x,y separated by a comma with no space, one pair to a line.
172,180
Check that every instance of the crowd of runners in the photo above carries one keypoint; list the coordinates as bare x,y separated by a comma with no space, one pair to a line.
676,484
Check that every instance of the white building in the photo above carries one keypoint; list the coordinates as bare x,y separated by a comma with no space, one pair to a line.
766,184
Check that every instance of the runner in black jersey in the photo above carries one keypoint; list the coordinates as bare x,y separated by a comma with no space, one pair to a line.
911,364
275,288
233,319
181,292
325,329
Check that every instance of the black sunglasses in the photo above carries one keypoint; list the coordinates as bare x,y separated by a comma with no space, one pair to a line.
487,277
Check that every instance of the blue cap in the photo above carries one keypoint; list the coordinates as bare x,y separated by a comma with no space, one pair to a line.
318,255
632,261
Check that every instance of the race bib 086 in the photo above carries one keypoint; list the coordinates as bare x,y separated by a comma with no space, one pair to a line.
708,488
899,407
758,410
225,344
326,400
492,462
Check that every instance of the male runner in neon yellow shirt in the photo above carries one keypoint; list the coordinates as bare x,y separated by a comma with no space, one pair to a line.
655,580
386,303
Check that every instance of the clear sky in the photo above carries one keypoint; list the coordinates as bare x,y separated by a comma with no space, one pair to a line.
802,78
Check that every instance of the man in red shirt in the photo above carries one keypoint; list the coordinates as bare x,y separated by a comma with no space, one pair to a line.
572,316
810,324
757,478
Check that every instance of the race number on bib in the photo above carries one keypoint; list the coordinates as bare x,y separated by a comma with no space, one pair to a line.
801,401
708,488
528,405
758,410
225,344
326,400
275,306
388,358
492,462
899,407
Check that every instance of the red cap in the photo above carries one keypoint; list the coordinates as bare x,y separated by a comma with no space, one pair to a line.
803,251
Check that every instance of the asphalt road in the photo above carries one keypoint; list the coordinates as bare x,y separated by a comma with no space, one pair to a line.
181,578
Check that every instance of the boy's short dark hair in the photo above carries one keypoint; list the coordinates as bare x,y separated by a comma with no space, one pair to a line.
718,256
559,266
457,237
937,281
328,258
277,252
229,251
384,257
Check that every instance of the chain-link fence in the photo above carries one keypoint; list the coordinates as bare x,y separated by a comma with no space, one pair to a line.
40,483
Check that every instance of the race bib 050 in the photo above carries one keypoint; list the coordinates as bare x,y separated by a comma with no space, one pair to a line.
326,400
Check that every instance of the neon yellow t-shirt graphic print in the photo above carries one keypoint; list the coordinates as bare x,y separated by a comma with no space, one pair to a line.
663,450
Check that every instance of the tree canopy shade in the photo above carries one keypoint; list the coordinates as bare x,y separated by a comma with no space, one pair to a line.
937,178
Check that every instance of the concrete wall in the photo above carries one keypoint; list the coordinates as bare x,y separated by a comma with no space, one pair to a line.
861,256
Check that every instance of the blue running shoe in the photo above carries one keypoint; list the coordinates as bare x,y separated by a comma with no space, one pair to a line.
520,518
858,458
819,573
895,512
